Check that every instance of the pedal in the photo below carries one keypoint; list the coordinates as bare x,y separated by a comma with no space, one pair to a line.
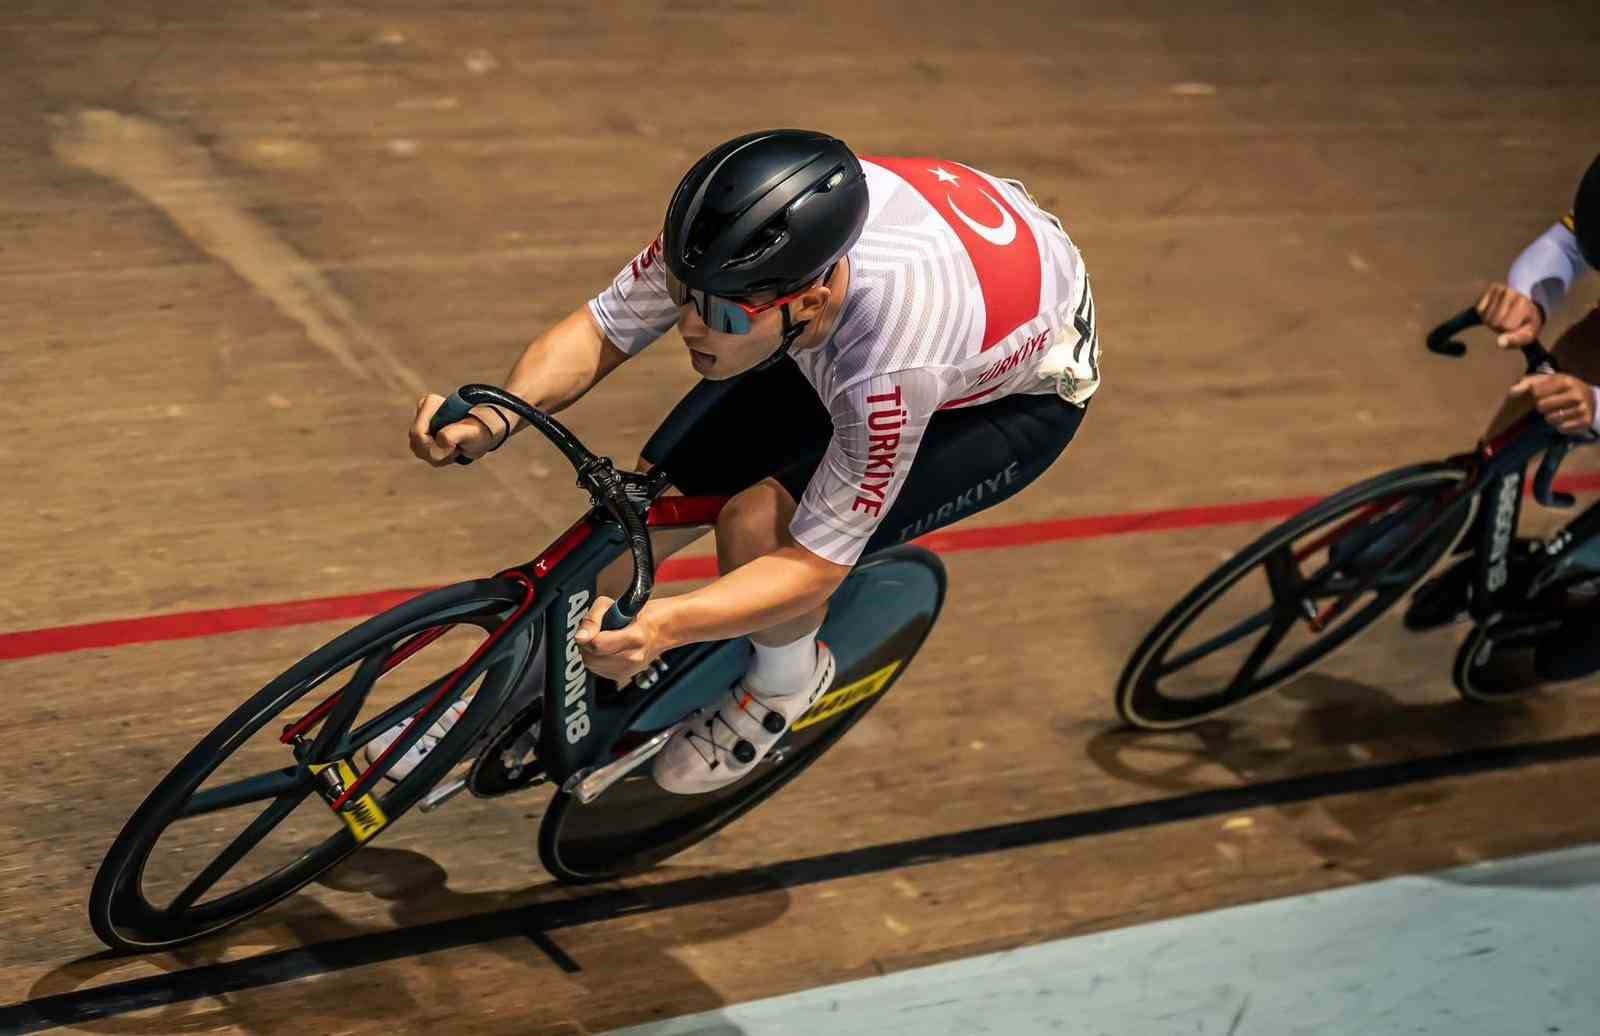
510,761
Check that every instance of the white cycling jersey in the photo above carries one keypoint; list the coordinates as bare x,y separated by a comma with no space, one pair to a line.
1546,268
962,291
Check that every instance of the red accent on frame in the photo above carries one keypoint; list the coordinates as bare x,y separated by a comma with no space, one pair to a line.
570,540
1500,442
364,780
401,653
1334,535
670,512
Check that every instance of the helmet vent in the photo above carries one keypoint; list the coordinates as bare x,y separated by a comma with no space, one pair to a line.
763,242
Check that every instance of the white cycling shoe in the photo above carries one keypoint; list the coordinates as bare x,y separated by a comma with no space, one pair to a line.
530,689
413,756
718,745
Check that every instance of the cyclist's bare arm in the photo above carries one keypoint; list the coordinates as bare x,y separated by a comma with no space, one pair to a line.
565,362
553,372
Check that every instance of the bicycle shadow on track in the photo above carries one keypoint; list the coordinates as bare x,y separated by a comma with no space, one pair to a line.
578,993
1321,724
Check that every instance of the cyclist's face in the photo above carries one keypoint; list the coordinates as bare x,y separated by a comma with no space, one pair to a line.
717,355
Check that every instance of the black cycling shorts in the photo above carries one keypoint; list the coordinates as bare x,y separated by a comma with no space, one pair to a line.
725,436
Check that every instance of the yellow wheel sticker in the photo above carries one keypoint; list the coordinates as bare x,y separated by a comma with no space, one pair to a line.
364,817
841,698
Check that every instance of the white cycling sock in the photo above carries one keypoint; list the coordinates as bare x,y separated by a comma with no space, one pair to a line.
785,669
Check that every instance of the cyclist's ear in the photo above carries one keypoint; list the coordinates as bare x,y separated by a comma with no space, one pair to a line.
809,306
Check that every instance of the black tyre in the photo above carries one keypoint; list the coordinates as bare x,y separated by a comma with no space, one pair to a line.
878,620
1364,548
297,837
1500,667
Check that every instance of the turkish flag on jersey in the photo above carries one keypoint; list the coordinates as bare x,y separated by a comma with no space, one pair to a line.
998,241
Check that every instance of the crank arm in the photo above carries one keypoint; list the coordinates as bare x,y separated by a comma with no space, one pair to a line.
588,784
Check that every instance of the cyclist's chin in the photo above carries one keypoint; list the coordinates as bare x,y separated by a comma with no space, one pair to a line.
724,364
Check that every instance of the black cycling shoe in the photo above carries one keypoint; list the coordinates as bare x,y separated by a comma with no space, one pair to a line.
1500,670
1444,598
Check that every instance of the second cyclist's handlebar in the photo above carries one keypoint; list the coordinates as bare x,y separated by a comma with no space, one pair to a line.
596,475
1442,341
1540,361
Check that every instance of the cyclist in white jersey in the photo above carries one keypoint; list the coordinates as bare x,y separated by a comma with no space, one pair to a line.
1517,309
887,345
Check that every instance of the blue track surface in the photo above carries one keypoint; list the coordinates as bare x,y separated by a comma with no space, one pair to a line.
1497,949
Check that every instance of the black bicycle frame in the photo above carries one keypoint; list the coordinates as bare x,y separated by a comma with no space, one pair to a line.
1499,476
585,718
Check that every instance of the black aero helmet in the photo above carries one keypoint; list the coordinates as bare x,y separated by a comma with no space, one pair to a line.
765,212
1586,214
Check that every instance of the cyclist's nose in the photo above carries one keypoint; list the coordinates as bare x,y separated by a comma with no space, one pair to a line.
689,322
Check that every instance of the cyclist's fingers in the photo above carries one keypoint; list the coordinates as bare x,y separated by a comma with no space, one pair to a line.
427,406
1521,334
1534,386
1486,301
591,622
455,434
1502,315
1552,392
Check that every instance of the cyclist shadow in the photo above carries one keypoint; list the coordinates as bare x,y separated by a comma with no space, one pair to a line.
1320,724
563,995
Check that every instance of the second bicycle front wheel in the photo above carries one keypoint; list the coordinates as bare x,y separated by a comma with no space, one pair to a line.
1294,595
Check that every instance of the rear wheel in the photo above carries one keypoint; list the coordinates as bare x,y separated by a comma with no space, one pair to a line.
1302,590
164,882
876,623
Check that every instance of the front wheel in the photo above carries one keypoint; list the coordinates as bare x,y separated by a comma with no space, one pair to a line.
1324,576
155,888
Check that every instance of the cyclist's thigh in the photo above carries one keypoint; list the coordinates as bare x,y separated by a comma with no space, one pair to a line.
725,436
1578,351
974,458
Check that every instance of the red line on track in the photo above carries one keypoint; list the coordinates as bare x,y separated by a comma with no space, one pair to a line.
187,625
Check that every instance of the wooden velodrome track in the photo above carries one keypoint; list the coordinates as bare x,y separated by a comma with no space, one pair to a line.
237,240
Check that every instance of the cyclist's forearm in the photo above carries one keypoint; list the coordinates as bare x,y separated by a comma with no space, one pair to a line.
1547,267
774,588
563,363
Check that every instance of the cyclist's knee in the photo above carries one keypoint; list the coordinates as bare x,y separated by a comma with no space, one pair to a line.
753,523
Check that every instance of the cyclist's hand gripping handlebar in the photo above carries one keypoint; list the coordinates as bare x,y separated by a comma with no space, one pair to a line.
1539,361
595,475
1441,340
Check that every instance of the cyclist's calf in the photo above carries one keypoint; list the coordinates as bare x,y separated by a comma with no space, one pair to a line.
755,523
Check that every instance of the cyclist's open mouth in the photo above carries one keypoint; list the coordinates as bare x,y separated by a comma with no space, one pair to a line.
701,359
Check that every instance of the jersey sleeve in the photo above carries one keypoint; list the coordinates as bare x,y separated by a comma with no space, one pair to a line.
878,423
1546,268
636,309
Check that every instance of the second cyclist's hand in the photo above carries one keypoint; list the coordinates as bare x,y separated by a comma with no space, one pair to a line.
1566,402
469,436
1512,315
